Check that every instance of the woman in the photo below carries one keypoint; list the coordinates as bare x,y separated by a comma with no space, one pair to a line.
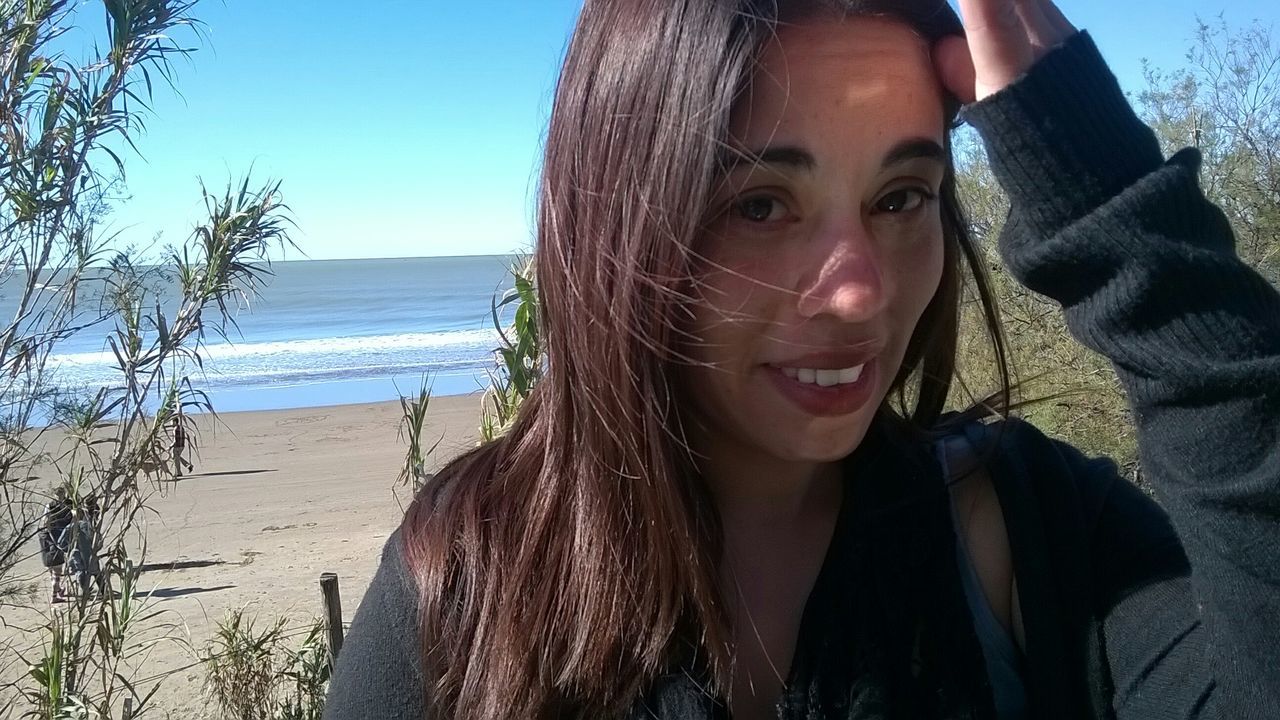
734,492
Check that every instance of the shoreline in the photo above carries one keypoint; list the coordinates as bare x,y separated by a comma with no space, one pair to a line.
447,400
329,394
349,391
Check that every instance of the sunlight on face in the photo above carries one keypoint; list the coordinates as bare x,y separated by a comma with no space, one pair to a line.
826,241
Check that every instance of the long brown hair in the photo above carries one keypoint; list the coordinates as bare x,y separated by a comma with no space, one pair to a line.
564,566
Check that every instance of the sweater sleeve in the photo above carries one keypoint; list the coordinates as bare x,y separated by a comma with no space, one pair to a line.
378,674
1146,272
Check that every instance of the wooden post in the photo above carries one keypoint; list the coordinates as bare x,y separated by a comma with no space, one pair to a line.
332,615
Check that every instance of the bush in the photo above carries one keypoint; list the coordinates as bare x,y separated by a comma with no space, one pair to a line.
1227,103
253,674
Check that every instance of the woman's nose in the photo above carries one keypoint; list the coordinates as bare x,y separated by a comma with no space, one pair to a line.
846,281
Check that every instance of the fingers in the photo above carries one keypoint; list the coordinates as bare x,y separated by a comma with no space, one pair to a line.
954,65
1012,19
988,17
1006,37
998,43
1062,27
1035,25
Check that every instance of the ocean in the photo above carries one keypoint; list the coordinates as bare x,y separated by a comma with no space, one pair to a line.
327,332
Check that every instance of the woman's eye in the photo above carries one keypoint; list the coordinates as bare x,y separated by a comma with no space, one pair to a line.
760,209
904,200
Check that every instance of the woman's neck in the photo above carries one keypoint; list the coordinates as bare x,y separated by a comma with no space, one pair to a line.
757,494
778,519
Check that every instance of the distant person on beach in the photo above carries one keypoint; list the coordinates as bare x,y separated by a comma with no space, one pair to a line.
736,491
179,431
81,540
57,516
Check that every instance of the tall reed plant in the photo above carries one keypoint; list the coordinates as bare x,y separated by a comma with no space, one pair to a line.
64,124
413,422
519,354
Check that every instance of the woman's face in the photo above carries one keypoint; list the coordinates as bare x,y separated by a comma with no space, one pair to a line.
825,244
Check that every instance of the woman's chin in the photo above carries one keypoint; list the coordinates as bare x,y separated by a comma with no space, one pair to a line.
805,437
821,440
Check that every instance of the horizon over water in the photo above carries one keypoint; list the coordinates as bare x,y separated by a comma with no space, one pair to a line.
334,332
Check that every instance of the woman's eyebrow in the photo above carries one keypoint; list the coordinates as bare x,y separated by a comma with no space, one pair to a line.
801,159
786,156
914,149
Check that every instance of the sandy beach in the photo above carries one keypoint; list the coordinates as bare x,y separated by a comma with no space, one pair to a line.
276,498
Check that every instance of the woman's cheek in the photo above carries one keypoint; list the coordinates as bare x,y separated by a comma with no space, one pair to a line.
734,273
918,259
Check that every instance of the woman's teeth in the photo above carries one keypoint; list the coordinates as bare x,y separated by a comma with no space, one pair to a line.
824,378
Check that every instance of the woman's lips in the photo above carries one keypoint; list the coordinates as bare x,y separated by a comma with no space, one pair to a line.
825,392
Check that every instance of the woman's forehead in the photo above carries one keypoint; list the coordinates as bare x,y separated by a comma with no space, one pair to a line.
868,71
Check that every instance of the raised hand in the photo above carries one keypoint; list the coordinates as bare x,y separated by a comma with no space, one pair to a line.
1004,39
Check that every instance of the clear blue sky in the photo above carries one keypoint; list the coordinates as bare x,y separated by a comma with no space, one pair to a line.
406,128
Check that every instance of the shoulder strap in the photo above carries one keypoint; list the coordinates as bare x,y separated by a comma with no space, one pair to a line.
1045,524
